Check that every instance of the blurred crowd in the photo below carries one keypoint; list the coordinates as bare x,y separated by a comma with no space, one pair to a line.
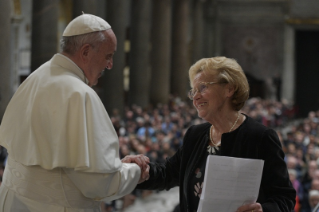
301,146
157,132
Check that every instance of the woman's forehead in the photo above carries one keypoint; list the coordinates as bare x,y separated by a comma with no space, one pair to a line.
202,77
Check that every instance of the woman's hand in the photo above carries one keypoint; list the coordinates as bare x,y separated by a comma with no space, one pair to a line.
145,175
254,207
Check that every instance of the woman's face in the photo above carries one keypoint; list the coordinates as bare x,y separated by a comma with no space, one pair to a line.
212,100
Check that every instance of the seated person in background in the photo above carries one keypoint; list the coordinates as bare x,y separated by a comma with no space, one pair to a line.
313,199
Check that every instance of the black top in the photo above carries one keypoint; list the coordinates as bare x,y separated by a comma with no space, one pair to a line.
196,180
250,140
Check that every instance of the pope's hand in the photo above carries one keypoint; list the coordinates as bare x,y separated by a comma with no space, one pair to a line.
142,161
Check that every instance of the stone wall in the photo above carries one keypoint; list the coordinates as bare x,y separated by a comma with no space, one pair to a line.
252,32
304,8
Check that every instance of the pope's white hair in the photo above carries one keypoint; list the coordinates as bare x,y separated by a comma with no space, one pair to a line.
72,44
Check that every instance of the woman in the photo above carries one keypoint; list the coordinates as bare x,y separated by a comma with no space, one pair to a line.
219,91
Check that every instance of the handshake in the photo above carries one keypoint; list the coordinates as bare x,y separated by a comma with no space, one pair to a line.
142,161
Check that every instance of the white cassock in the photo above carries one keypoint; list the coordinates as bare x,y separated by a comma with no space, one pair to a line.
63,149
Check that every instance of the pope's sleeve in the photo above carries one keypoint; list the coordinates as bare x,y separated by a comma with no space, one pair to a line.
106,187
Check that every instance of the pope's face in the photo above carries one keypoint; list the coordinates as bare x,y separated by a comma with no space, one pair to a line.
101,58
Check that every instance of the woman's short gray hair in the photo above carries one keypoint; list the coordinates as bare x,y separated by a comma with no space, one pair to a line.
72,44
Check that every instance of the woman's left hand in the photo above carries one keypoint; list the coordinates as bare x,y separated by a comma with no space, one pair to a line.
254,207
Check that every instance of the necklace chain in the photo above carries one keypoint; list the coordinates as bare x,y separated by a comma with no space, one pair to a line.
234,123
211,129
211,137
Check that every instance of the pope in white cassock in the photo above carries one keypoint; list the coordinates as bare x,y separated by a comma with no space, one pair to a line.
63,149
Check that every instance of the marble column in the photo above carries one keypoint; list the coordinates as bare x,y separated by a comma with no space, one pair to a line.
198,31
161,51
6,84
180,58
288,75
44,31
212,44
139,53
112,84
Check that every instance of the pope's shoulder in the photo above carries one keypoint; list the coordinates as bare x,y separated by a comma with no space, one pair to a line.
54,77
57,85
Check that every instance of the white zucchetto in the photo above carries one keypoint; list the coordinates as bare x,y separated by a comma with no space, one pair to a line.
85,23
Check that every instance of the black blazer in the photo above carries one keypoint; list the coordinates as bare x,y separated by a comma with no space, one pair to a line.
250,140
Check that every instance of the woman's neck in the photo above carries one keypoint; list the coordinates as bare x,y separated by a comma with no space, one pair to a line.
226,123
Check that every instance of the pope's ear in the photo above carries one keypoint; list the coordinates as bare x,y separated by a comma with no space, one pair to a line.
84,52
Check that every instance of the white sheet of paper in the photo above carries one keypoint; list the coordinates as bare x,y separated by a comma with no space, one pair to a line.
229,183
